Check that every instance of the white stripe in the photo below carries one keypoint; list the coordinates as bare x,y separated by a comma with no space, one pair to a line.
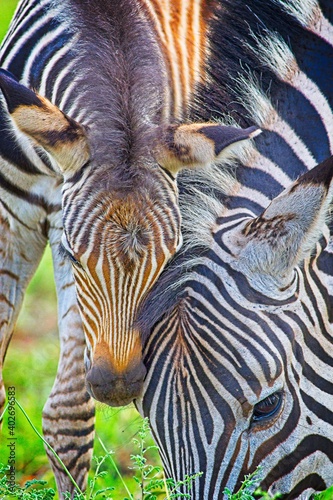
302,10
44,42
311,91
173,59
275,53
323,28
28,34
197,43
57,56
182,38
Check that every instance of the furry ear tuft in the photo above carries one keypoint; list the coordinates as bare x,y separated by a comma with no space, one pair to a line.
288,230
43,122
198,144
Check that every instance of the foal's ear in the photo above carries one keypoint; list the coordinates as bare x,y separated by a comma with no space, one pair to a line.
43,122
198,145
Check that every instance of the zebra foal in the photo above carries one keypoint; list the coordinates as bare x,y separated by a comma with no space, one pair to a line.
91,142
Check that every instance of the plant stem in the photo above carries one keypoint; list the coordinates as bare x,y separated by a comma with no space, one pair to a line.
3,413
92,485
114,465
51,449
166,487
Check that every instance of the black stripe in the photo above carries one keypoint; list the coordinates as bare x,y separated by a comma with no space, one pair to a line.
11,150
310,444
313,480
26,195
15,216
311,341
320,410
16,65
83,431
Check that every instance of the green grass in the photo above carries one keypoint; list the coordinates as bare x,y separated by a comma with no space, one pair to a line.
7,8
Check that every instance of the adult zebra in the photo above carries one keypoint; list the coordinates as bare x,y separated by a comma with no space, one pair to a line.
240,355
239,323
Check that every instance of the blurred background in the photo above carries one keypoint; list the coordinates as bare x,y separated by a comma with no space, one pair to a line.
31,366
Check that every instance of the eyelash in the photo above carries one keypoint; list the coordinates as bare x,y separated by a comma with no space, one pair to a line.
64,253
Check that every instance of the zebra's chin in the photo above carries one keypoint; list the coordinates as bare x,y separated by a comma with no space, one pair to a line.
114,389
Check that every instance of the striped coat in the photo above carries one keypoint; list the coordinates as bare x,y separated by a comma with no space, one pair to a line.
224,344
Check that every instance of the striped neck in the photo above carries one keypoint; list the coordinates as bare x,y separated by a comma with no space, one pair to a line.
181,27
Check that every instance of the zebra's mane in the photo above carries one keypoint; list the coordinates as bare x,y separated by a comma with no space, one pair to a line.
249,51
118,75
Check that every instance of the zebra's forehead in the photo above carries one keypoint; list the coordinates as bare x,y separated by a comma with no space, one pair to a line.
123,226
108,213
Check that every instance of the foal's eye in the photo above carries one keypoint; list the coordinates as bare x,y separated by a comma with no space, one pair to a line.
267,408
67,252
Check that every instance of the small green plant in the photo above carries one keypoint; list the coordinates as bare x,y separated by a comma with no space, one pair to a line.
249,489
30,491
92,493
264,495
324,495
146,476
150,479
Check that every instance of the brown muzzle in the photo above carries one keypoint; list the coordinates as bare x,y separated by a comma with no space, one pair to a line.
114,388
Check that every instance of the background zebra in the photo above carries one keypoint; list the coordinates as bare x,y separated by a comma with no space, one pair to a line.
239,323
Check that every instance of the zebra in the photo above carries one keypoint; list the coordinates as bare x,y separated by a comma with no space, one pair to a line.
239,325
93,135
235,328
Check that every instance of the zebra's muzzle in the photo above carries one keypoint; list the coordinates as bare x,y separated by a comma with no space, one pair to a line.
115,389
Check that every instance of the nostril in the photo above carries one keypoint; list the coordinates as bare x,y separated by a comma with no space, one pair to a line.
99,376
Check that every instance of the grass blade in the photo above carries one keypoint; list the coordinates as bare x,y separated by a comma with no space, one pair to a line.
114,465
51,449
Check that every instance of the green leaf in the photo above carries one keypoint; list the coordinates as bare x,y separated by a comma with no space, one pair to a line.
324,495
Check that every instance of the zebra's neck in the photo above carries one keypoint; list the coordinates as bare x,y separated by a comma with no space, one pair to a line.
268,73
174,34
182,30
269,77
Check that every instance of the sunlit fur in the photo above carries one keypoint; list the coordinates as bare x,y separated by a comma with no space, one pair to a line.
181,28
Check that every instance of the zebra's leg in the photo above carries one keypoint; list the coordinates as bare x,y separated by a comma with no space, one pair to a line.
21,248
68,416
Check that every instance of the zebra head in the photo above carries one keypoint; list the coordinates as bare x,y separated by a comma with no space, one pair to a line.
121,226
240,355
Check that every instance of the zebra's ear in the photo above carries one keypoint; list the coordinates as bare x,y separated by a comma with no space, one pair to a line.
43,122
198,145
288,230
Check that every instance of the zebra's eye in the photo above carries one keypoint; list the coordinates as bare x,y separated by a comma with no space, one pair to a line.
67,252
268,407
